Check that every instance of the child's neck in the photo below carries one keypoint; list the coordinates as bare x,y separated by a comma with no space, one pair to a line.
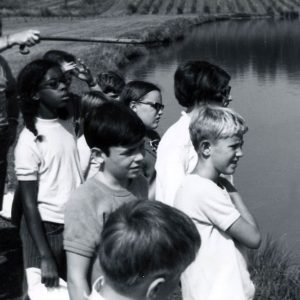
109,294
46,113
206,170
112,181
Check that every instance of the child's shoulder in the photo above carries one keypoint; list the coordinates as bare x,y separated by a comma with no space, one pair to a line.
89,196
198,183
26,137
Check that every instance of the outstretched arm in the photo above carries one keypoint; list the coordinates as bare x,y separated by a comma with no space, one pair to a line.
28,37
78,267
28,190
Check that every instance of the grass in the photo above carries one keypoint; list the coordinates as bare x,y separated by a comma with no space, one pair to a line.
274,272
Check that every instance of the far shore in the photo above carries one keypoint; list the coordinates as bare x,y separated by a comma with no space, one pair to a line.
166,28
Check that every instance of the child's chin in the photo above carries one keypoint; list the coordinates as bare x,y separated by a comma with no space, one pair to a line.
134,174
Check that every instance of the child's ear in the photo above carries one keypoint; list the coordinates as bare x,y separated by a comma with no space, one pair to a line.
205,148
132,105
154,288
98,155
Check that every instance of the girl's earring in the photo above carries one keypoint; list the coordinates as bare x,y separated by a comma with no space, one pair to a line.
35,98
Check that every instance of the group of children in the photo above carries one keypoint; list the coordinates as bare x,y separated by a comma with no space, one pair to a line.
117,212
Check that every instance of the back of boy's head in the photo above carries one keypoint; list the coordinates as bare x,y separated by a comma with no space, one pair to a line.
112,124
199,81
212,122
90,101
111,82
142,240
59,56
135,90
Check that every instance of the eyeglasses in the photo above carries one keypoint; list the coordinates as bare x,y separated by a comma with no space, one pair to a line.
154,144
157,106
54,83
226,94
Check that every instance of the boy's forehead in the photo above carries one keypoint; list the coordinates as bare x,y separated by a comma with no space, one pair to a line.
129,147
235,138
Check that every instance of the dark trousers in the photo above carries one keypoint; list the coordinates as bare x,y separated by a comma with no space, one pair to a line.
54,235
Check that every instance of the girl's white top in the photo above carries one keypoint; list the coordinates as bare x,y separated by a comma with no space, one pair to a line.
53,162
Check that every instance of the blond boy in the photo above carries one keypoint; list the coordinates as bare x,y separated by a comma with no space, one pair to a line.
222,219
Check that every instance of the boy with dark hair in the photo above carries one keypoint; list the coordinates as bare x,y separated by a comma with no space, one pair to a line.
141,255
116,137
111,84
224,222
195,82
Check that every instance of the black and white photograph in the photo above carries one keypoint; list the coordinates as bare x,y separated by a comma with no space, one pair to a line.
149,150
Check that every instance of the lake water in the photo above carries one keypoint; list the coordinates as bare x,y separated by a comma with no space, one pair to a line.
263,58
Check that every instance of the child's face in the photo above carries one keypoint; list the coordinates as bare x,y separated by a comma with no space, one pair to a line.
150,109
52,90
125,162
225,154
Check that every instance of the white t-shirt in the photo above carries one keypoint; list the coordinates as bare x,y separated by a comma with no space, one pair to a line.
219,271
176,157
53,162
89,166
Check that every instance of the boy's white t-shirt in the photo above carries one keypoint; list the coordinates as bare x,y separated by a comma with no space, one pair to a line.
53,162
219,271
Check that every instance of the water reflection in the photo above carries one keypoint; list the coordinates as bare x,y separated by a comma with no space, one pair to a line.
263,58
268,47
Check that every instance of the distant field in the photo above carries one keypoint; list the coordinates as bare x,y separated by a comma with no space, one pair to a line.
147,7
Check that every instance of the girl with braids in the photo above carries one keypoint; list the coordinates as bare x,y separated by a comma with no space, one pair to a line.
195,83
48,170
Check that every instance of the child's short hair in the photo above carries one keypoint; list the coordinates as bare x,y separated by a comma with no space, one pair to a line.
143,239
214,122
199,81
59,56
90,101
135,90
111,125
111,82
